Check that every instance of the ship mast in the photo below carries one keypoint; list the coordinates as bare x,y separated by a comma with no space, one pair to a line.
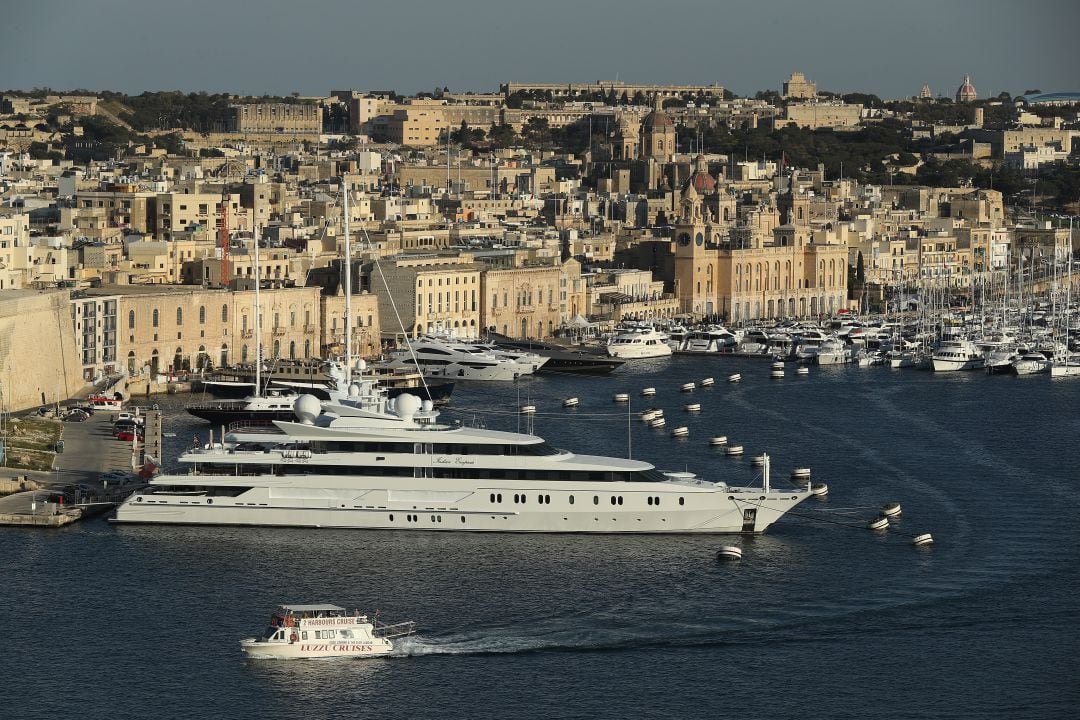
348,286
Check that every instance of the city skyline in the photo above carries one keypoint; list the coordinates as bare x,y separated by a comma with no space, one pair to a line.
844,46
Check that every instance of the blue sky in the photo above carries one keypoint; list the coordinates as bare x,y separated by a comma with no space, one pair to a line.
315,46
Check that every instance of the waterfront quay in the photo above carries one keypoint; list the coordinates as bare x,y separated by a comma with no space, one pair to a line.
90,474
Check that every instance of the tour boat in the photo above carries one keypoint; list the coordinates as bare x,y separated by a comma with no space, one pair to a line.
323,631
98,400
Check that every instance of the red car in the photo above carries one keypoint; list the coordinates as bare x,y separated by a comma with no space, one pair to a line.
128,435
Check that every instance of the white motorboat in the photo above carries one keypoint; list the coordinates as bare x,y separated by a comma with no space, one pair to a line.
372,465
836,352
902,358
633,343
439,357
707,342
957,354
321,631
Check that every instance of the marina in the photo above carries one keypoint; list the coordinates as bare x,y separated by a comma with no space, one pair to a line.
514,603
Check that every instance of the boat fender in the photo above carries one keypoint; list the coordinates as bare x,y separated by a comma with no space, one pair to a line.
293,638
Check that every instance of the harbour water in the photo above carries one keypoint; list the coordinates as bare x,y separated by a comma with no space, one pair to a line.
822,618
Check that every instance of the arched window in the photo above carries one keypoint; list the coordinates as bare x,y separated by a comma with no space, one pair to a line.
307,349
224,355
292,349
179,316
131,319
224,313
243,354
277,349
155,320
202,314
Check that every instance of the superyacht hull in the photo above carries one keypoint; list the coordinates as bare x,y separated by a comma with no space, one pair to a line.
661,508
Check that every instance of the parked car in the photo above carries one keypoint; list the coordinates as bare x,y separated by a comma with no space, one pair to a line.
129,435
76,415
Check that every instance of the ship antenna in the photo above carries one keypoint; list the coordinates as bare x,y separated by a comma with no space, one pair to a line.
629,434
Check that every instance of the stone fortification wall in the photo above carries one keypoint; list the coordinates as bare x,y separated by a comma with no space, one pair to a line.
37,349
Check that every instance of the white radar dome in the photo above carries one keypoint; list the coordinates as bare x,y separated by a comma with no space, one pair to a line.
427,406
361,365
406,405
307,408
354,390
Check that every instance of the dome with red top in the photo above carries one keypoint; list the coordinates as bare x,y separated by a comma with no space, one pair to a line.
966,92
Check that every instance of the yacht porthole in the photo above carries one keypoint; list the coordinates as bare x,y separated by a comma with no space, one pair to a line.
138,499
463,519
391,517
209,501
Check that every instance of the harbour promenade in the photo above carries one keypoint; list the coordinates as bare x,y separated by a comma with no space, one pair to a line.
88,477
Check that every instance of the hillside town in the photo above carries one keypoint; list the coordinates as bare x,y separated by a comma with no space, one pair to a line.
133,230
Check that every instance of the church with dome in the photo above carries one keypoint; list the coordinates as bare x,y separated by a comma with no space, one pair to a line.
966,92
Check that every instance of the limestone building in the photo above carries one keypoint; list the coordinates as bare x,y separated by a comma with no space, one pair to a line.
522,302
788,275
797,86
430,292
284,118
176,328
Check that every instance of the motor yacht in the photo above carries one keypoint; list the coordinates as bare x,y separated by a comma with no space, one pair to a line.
957,354
368,463
438,357
633,343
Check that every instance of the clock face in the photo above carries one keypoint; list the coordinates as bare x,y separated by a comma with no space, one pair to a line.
700,239
684,238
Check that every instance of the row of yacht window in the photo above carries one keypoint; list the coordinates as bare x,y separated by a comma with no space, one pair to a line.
446,473
408,448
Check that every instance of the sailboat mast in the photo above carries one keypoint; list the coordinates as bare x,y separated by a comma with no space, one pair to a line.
258,320
348,288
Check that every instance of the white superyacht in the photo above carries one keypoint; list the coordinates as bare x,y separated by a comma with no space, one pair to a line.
370,464
445,357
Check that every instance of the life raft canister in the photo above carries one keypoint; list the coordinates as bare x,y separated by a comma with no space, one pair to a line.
293,638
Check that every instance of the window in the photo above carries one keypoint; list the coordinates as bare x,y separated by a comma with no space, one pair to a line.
224,313
202,314
131,319
155,320
179,316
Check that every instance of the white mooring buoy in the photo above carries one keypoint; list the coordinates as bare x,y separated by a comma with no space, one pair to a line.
736,377
778,366
621,397
648,415
681,431
707,382
687,387
657,422
819,490
733,450
890,509
693,407
648,392
880,523
757,460
729,552
776,374
924,539
718,440
803,371
528,409
800,473
570,402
